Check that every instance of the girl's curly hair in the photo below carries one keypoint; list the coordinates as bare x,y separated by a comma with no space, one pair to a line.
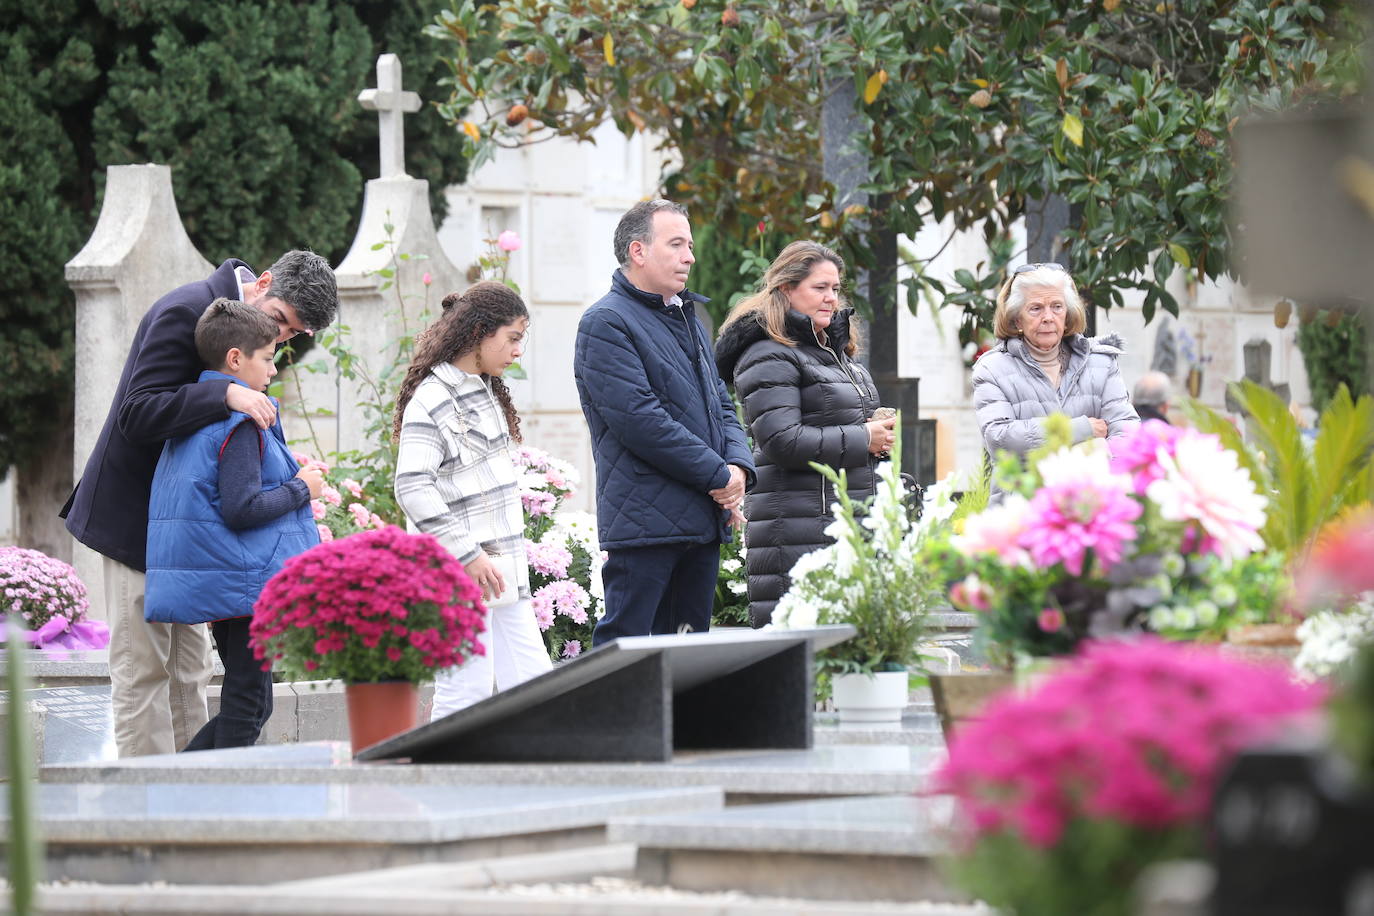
466,321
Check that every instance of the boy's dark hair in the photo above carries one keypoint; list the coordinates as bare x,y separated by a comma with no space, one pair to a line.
229,323
305,281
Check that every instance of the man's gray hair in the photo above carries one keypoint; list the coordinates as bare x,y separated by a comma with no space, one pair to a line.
304,281
1151,390
637,225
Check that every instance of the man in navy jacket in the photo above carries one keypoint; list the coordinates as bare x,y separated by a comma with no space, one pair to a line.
159,671
672,461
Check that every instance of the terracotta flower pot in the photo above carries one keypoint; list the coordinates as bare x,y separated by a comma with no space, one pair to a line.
1263,641
960,697
377,711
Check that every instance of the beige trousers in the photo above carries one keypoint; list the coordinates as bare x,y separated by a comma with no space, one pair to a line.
158,671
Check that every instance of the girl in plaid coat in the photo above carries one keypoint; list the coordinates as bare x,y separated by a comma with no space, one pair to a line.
456,478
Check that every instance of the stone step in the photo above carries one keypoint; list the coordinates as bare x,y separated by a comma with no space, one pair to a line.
872,848
827,771
262,832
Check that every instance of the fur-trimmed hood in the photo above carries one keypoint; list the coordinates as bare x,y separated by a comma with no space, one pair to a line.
740,335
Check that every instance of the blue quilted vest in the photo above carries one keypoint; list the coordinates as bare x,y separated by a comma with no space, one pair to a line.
199,569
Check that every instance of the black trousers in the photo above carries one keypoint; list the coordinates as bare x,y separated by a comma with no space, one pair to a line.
245,699
655,590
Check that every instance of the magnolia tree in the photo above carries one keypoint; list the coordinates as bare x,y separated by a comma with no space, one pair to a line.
962,110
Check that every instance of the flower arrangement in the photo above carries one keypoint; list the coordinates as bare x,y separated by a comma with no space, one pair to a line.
545,482
344,507
565,575
874,576
1106,766
1163,530
731,607
49,599
1336,590
378,605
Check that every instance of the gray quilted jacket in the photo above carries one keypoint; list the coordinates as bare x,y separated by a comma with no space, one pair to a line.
1011,394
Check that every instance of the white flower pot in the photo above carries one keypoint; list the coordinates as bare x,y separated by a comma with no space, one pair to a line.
869,698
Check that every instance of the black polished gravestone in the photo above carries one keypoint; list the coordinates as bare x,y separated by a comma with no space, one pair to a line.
638,699
1290,835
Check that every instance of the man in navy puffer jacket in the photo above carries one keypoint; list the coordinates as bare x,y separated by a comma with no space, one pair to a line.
672,462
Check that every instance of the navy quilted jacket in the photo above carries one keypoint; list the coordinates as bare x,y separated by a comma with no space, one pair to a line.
663,424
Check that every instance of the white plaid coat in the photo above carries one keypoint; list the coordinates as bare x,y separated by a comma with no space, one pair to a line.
455,470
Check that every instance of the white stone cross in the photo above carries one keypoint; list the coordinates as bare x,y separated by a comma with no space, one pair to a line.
391,105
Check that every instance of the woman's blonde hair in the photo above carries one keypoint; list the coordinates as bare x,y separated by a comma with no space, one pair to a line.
769,305
1012,298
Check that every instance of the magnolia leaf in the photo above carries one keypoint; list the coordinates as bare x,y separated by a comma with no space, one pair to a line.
980,83
608,48
873,87
1073,128
1061,74
1180,255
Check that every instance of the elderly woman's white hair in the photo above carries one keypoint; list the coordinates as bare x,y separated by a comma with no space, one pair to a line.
1012,298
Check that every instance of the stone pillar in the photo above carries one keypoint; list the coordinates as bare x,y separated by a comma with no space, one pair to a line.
376,317
138,251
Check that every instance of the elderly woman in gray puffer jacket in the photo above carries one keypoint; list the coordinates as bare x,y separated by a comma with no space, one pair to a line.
789,350
1043,365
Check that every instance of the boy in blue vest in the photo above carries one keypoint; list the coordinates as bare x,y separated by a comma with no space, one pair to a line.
229,506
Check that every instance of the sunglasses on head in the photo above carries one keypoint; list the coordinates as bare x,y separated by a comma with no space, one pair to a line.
1050,265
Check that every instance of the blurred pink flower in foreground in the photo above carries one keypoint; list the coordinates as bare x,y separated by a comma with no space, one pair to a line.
509,241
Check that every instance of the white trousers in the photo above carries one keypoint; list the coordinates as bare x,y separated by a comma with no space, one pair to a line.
515,653
158,671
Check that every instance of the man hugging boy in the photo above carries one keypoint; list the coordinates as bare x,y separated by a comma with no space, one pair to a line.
229,506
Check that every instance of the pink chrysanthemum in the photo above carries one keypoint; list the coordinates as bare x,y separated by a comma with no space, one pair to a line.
572,648
1138,452
551,560
1068,520
1135,732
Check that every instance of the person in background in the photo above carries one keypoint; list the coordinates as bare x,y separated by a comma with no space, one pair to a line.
1042,364
229,506
789,351
455,426
1150,397
672,463
159,672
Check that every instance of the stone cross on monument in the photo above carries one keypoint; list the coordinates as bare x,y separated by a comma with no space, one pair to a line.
392,104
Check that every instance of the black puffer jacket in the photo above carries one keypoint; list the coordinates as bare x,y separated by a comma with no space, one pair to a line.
803,403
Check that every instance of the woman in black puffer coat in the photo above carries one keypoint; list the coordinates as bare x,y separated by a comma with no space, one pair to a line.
789,351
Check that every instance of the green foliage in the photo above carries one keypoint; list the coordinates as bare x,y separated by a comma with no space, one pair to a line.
24,849
963,111
1352,715
1090,870
1306,488
1333,355
252,104
731,604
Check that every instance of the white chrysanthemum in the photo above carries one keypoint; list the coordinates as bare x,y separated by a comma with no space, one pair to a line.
737,587
730,565
1203,482
808,563
1087,461
1330,639
794,612
845,558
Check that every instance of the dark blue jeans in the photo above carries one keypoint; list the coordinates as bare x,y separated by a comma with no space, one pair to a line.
655,590
245,698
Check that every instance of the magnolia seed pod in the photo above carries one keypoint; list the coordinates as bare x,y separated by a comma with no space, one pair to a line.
1307,313
730,17
517,114
980,99
1282,310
